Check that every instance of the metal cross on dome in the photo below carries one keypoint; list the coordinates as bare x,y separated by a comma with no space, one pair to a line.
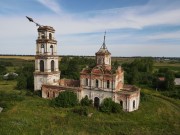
31,20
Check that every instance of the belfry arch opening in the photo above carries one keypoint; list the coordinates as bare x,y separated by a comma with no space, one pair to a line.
50,36
41,65
42,48
52,65
51,49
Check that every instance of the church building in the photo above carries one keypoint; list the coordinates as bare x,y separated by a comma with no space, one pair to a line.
98,83
103,81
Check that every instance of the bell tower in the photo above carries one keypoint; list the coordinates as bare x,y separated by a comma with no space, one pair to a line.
46,58
103,56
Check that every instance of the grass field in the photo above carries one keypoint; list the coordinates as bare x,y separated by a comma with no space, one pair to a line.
18,57
32,115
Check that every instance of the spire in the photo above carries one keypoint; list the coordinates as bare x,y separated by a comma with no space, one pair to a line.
104,44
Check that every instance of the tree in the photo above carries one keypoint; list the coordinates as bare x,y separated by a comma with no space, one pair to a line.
169,80
2,69
21,82
66,99
85,101
109,106
27,72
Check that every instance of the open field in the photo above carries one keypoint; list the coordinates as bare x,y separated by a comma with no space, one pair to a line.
18,57
171,66
32,115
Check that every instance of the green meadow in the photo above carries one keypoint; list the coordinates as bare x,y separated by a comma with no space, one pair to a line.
28,114
25,113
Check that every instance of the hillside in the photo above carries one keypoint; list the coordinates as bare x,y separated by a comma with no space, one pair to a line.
32,115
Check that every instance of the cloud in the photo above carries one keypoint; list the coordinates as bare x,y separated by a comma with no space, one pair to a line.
52,5
136,17
84,31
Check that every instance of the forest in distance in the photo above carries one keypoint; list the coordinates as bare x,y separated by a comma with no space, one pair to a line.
143,72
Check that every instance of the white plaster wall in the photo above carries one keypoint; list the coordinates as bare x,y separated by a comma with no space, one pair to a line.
53,79
96,93
38,81
44,95
45,79
56,64
36,65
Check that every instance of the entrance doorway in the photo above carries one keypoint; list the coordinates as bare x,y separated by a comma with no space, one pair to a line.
96,102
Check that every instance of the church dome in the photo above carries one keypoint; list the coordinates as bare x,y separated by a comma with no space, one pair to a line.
103,50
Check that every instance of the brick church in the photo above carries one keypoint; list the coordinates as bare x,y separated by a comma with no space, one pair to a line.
98,83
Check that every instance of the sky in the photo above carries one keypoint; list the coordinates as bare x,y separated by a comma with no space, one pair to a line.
133,27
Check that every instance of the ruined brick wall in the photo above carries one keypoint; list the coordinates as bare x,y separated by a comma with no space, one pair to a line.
69,82
53,91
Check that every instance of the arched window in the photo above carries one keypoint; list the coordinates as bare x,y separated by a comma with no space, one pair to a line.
97,83
133,103
42,48
42,66
99,61
108,84
54,94
42,35
52,65
51,49
121,103
50,36
48,94
86,82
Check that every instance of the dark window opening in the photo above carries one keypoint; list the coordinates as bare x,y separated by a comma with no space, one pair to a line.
52,65
97,83
134,104
42,48
108,84
121,103
50,36
54,94
96,102
43,35
42,66
51,49
86,82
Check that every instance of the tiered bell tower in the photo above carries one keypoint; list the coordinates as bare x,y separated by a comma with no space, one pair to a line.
46,59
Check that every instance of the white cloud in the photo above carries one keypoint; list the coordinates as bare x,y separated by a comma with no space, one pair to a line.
167,12
52,5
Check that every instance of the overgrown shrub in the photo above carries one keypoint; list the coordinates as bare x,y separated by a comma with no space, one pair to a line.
38,93
83,111
85,101
29,93
65,99
109,106
145,97
21,82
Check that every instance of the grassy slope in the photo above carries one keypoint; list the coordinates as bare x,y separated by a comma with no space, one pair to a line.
32,115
